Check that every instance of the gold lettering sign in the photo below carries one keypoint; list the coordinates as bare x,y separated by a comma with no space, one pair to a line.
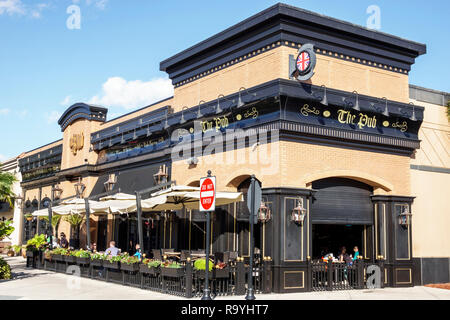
218,123
306,110
364,120
76,143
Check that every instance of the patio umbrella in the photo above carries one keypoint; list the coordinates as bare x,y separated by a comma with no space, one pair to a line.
178,200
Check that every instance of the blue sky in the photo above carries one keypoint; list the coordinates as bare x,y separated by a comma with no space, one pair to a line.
113,59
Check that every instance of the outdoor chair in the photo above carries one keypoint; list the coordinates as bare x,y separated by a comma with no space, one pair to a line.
168,250
157,254
184,255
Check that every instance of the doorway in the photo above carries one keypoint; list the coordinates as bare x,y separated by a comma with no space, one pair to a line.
329,238
102,232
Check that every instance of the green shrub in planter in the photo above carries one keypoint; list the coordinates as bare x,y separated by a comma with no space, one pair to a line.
200,264
5,270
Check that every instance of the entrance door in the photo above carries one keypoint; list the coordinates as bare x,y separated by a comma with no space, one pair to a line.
101,233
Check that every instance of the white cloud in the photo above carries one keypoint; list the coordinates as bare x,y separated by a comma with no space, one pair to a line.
101,4
66,101
11,7
118,92
2,158
22,113
4,111
53,116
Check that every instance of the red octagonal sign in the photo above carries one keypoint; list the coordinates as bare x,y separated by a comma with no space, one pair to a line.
208,194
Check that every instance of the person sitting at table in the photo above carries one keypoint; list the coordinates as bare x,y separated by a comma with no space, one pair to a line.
138,252
355,253
344,257
112,250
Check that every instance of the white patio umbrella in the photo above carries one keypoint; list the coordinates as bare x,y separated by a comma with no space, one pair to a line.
180,198
118,203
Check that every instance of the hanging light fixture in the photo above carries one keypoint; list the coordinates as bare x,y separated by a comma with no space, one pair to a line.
298,214
324,100
79,188
386,111
264,214
148,131
109,184
413,116
404,218
356,106
240,103
166,125
218,108
182,115
199,112
56,191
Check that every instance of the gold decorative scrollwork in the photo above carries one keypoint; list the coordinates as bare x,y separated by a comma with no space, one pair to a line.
251,113
76,143
403,127
306,110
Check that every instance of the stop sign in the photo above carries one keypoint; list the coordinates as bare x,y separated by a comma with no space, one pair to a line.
208,194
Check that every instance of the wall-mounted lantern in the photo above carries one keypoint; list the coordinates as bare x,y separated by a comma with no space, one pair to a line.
112,180
299,212
56,192
161,176
264,213
79,188
404,218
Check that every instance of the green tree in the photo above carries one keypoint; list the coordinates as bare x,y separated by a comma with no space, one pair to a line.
6,229
55,223
6,187
75,220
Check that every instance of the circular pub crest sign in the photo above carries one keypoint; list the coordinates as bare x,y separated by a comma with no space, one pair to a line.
305,63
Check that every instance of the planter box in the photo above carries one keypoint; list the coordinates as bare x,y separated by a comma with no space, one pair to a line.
129,267
143,268
70,259
97,262
221,273
111,265
172,272
83,260
57,257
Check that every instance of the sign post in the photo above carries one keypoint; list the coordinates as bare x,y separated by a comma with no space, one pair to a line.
208,205
254,196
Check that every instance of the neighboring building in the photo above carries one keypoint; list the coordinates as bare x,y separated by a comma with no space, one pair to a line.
8,213
430,184
339,149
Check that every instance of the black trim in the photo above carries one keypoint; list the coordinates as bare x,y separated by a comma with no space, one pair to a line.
281,23
82,111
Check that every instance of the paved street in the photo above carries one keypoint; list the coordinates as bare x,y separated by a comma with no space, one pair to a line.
32,284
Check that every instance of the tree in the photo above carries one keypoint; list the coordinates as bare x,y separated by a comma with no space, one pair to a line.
55,223
5,229
6,187
75,221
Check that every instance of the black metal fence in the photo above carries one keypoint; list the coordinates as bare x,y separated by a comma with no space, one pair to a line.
185,281
327,276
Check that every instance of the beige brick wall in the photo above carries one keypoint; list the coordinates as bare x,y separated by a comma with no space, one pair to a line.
296,164
347,75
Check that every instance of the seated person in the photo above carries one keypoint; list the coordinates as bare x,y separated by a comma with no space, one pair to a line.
344,257
356,253
112,250
138,252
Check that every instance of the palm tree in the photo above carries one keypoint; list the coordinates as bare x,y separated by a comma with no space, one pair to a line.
75,220
6,185
55,223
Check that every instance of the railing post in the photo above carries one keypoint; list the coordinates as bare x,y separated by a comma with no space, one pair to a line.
267,275
309,274
240,276
189,274
360,273
330,275
382,275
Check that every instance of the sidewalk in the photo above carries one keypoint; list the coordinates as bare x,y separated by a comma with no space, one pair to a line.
33,284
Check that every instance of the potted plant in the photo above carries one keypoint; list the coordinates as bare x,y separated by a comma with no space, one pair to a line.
149,266
35,244
82,256
129,263
172,269
75,221
97,259
58,254
200,267
112,262
221,270
69,257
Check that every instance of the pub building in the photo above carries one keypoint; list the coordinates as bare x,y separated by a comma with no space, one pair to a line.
321,113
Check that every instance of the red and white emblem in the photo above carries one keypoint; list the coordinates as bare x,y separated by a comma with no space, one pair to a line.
303,61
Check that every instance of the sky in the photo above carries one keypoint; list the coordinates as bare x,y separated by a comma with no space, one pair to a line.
50,59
